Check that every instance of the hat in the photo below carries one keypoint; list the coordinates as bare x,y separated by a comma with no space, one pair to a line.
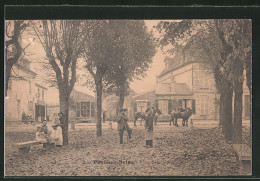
123,110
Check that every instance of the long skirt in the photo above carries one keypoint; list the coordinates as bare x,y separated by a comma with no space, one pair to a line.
57,134
148,134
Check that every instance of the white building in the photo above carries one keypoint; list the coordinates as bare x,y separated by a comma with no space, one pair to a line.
24,94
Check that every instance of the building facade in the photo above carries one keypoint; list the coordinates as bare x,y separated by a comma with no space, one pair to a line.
82,108
24,95
186,82
110,106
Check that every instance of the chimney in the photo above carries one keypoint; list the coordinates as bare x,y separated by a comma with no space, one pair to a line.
173,84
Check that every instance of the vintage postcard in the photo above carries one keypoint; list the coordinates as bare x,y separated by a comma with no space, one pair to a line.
164,97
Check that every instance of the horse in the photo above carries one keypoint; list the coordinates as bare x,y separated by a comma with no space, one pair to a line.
143,116
186,116
178,114
138,115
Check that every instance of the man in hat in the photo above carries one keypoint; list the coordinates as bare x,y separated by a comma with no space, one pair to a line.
123,125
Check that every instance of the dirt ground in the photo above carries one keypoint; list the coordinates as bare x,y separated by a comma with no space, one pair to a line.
177,151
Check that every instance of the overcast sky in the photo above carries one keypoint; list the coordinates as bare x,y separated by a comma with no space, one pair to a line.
139,86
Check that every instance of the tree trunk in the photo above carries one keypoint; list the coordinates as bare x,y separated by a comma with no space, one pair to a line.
237,137
99,107
238,107
227,114
221,112
121,99
64,109
7,77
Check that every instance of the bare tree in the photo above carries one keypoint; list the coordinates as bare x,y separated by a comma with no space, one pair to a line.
62,41
13,49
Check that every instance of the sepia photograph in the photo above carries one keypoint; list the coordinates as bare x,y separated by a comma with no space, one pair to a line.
128,97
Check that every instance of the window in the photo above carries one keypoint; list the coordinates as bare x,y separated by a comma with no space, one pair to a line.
42,95
204,105
30,87
30,105
78,109
38,95
204,82
85,109
92,109
141,106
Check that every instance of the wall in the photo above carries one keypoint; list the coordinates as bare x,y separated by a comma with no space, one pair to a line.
205,93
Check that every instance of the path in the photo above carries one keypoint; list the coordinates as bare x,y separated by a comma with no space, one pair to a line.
181,151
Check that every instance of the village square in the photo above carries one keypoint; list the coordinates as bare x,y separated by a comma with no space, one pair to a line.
128,97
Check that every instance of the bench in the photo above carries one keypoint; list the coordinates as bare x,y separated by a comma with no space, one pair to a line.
244,153
25,147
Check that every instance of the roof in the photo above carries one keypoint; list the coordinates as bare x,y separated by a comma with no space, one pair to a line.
166,71
81,92
143,93
25,69
178,89
41,86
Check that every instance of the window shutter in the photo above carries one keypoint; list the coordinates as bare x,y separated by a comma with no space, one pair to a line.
92,109
193,106
169,106
180,102
174,104
135,106
156,104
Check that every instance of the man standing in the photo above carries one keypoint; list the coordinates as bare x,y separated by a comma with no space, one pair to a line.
123,125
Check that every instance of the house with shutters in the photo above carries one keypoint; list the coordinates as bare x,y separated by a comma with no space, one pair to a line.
188,83
25,95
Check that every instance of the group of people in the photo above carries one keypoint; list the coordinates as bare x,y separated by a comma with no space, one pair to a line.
151,116
51,132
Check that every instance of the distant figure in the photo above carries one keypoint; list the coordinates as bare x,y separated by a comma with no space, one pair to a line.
123,125
149,127
180,109
24,117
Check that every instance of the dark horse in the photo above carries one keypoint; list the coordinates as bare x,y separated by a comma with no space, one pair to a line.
143,115
138,115
184,115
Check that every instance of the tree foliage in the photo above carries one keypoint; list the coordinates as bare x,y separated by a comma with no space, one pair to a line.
117,52
132,54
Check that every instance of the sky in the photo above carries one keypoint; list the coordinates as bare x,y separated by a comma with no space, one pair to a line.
145,84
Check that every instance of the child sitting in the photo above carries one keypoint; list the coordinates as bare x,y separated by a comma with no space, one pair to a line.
42,133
